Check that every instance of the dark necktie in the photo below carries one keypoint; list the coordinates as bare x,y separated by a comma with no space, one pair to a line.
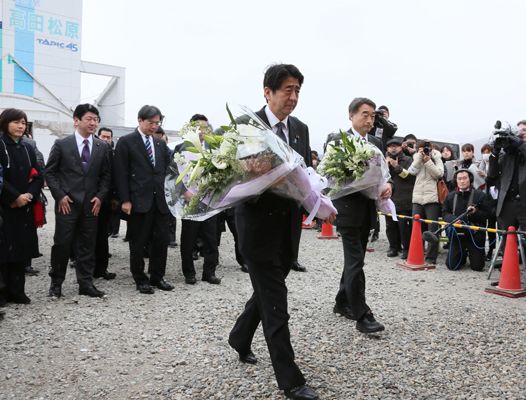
149,150
85,156
280,132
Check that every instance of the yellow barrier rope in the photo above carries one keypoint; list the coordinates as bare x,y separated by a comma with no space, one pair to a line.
456,225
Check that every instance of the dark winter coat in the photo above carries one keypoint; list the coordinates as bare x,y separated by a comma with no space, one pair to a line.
403,182
18,235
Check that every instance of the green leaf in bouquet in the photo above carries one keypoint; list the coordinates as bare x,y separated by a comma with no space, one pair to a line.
183,174
232,120
192,149
214,141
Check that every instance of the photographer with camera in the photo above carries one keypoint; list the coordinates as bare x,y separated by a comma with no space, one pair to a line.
507,170
469,206
383,129
409,145
399,232
428,168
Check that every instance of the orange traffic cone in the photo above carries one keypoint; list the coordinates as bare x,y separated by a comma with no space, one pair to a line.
415,258
327,232
306,226
510,275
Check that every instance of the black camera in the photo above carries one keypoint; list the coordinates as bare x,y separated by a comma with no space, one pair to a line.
503,135
427,148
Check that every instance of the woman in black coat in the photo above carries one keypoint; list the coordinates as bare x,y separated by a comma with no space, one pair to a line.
18,234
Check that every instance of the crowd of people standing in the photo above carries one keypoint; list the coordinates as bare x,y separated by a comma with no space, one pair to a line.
95,184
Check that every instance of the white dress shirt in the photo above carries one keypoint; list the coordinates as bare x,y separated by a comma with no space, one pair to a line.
356,133
80,143
274,121
144,139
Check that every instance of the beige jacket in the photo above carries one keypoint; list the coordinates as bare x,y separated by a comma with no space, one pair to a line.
427,176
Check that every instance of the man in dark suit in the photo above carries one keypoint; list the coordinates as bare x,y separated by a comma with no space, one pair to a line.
265,238
140,168
507,170
356,217
102,247
78,173
205,230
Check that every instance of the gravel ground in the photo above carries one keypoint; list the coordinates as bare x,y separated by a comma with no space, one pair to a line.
445,338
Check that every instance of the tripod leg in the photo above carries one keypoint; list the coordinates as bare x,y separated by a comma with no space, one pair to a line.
494,258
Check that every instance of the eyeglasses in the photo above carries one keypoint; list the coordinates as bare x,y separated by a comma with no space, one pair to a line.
157,123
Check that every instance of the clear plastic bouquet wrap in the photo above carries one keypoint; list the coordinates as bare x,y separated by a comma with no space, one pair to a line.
353,165
243,162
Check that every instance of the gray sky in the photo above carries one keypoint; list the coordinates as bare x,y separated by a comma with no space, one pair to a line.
447,70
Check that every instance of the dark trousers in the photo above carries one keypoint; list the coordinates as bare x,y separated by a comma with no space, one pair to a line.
143,229
512,214
80,229
207,231
268,304
228,217
352,282
393,233
429,211
115,222
13,278
464,244
405,227
295,234
172,228
101,247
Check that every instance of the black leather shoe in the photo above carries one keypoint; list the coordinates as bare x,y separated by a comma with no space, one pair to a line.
172,244
18,299
296,266
344,311
404,255
31,271
162,284
248,358
55,290
106,275
244,268
214,280
90,291
145,288
195,255
392,253
190,280
302,393
2,313
374,238
368,324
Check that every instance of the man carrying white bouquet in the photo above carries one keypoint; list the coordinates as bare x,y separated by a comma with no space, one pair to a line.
356,217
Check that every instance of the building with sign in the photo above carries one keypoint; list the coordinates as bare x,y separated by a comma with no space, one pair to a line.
41,66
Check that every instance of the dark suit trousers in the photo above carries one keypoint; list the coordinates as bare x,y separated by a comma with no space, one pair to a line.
207,231
228,216
295,232
352,282
76,228
102,248
143,229
393,233
268,304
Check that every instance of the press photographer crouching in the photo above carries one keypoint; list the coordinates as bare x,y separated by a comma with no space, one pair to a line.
471,207
507,171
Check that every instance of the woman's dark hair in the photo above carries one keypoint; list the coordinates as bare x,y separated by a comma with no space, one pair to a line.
486,147
276,74
10,115
198,117
468,147
450,150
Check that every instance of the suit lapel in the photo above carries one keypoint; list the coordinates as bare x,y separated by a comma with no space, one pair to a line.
72,146
261,114
95,151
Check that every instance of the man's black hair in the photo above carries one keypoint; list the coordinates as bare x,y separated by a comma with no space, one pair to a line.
105,129
521,122
360,101
82,109
148,112
198,117
383,108
410,136
276,74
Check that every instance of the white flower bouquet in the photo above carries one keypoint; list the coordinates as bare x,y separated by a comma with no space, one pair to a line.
353,165
243,162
